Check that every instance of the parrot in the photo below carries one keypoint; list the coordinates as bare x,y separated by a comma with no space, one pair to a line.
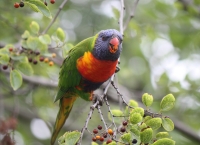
87,66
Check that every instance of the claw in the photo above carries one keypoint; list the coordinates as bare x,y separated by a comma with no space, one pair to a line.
96,98
117,69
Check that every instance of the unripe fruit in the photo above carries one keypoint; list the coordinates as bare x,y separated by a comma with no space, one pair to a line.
52,1
95,131
46,60
101,139
99,127
110,131
53,55
51,63
5,67
35,62
108,141
16,5
21,4
98,137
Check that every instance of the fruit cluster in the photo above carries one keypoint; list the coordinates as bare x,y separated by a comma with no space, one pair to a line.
21,4
5,126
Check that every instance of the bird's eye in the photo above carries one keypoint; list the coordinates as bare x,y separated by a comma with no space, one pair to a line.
104,38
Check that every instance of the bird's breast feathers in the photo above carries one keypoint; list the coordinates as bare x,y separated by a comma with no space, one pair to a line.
95,70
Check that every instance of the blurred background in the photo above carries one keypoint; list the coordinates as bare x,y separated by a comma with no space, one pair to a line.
161,55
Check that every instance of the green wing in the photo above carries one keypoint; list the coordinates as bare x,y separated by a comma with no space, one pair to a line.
69,75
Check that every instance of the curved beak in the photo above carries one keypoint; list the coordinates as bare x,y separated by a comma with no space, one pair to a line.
113,44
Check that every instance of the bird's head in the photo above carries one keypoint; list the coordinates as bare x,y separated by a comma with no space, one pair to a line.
108,45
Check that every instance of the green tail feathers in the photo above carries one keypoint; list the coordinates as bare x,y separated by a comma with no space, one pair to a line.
65,108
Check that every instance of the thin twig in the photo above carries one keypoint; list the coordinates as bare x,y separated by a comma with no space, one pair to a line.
121,17
131,15
55,17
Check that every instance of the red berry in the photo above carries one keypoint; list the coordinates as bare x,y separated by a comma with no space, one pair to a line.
11,49
101,139
108,141
21,4
52,1
35,62
94,139
95,131
41,58
16,5
99,127
45,3
30,59
122,129
5,67
125,123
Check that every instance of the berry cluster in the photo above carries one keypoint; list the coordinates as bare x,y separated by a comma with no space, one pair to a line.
5,126
17,5
101,136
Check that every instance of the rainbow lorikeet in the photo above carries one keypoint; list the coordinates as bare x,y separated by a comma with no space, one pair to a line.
88,65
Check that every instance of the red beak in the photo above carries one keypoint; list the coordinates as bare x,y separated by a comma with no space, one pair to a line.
113,45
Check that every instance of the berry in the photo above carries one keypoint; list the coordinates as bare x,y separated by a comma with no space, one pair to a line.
134,141
37,53
52,1
95,131
41,58
110,131
125,123
11,49
5,67
98,137
35,62
101,139
21,4
99,127
94,139
105,135
16,5
108,141
51,63
46,60
45,3
122,129
53,55
30,59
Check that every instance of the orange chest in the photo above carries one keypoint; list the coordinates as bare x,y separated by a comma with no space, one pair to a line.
95,70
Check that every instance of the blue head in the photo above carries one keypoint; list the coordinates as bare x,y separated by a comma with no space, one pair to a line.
108,45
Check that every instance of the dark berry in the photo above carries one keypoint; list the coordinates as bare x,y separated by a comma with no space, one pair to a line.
108,141
101,139
134,141
41,58
21,4
35,62
16,5
105,135
5,67
95,131
94,139
30,59
52,1
122,129
99,127
37,53
125,123
11,49
45,3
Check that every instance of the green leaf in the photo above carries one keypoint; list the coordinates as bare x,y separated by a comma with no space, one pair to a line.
33,43
134,130
26,34
167,103
135,118
60,34
39,6
15,79
147,99
45,39
126,137
167,124
4,58
133,103
17,57
25,68
138,110
94,143
162,135
154,123
164,141
116,113
146,135
69,138
34,27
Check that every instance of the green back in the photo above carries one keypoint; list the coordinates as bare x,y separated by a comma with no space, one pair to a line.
69,75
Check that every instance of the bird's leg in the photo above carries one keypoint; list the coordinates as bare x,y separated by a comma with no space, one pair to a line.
117,69
98,98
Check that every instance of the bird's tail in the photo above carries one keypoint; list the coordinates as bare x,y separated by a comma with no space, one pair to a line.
66,105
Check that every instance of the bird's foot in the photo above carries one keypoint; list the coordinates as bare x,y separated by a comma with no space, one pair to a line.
117,69
98,98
